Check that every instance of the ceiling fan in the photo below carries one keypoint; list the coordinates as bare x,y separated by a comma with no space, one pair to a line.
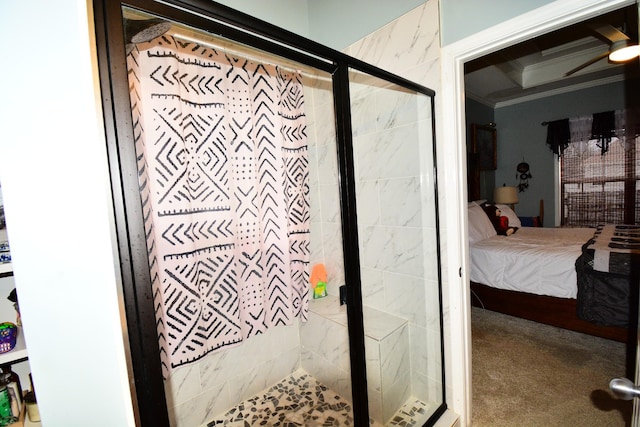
622,49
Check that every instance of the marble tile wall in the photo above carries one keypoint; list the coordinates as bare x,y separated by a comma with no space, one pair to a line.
199,391
325,355
396,207
326,219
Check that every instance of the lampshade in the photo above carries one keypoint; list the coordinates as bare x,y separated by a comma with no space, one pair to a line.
623,50
505,195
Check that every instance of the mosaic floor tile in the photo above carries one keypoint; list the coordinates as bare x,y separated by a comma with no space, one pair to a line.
300,400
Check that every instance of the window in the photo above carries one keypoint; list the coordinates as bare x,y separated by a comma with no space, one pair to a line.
599,188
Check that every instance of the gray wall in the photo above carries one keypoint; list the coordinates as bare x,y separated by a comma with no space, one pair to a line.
333,23
462,18
340,23
521,136
292,15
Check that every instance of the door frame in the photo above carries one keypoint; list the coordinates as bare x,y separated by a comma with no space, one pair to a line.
453,161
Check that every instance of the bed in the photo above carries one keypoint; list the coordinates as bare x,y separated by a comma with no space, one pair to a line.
530,274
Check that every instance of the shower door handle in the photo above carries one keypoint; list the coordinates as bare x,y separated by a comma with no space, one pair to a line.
343,294
624,388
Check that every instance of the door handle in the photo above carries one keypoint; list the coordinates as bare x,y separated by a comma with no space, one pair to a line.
624,388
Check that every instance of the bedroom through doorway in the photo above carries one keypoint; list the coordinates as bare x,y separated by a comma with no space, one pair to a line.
499,100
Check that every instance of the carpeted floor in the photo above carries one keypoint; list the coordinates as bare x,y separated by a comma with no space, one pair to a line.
528,374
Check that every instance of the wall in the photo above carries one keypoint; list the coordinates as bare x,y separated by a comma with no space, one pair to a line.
291,15
318,20
355,19
462,18
326,220
476,112
521,136
56,189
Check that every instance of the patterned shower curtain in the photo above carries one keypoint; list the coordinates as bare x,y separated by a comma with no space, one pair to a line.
223,174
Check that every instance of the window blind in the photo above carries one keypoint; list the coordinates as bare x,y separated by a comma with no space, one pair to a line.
600,188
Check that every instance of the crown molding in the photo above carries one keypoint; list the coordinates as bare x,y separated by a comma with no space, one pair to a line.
558,91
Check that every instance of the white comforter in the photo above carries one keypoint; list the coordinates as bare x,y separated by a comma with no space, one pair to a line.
533,260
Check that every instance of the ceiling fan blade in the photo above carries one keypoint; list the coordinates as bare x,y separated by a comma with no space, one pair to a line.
586,64
610,33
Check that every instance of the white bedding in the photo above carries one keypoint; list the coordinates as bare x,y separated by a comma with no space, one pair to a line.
533,260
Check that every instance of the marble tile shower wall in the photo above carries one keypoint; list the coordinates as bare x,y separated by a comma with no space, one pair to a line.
395,206
326,220
199,391
396,209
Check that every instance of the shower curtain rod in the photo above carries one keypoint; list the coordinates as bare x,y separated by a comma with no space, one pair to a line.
246,27
246,55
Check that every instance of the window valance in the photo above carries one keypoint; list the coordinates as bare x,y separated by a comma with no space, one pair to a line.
601,127
558,135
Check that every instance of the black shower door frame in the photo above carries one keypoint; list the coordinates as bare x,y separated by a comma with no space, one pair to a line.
150,407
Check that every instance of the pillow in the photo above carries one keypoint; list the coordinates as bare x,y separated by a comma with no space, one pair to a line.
480,227
530,221
514,221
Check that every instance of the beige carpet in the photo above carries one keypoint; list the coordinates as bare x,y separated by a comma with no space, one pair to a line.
527,374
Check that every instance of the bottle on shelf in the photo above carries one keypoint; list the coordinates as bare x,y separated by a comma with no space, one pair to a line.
8,407
31,402
14,383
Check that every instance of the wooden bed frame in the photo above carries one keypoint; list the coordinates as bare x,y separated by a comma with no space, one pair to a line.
560,312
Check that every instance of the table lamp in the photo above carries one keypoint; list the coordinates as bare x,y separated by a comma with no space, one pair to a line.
506,196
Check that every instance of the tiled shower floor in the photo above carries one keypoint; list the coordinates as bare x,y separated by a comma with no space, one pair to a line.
300,400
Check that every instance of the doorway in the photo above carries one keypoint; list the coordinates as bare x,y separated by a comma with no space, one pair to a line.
537,22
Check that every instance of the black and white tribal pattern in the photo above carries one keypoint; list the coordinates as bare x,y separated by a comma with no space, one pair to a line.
223,173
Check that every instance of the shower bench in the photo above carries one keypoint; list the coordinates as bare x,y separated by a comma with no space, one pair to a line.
325,354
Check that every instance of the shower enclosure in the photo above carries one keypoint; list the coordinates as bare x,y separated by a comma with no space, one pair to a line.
371,349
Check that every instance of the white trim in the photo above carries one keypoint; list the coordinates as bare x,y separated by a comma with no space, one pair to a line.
452,163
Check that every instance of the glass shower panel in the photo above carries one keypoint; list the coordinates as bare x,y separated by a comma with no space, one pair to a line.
324,338
398,246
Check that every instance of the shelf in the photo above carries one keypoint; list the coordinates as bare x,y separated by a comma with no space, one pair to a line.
19,352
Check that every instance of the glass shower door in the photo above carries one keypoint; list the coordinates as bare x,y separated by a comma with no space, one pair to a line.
227,122
398,245
372,226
